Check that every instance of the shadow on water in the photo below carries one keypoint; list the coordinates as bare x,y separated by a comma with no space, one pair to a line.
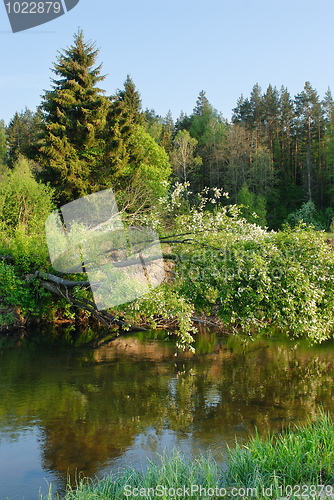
68,408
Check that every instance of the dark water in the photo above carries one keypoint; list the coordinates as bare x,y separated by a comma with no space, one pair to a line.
80,410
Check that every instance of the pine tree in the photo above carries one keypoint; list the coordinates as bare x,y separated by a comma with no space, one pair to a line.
74,113
271,110
286,119
3,143
202,104
167,132
257,112
308,115
328,106
242,111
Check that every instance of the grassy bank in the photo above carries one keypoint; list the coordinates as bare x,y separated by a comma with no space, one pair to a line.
296,461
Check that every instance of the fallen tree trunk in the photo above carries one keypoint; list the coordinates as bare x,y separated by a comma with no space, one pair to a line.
60,287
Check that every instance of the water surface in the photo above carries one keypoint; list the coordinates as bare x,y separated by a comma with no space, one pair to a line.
78,410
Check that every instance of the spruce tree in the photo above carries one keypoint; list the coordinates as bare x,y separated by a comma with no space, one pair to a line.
124,115
202,104
130,97
133,160
22,135
74,113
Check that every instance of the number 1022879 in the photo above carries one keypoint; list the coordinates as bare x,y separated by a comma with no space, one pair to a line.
33,7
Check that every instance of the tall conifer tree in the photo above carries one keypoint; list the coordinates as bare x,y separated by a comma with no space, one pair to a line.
124,114
74,114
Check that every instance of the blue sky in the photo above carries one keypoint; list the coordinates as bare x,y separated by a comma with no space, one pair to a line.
174,49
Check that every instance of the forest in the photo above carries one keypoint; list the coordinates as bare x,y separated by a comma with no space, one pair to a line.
241,207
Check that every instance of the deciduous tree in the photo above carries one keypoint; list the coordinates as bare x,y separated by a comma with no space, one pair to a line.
183,156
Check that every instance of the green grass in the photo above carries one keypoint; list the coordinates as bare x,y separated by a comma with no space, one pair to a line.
296,456
173,473
281,463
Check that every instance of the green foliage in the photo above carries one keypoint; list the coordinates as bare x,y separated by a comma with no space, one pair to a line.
28,249
123,117
24,206
14,291
174,473
150,162
261,172
130,98
164,304
23,134
134,160
3,143
7,319
304,455
74,113
22,199
252,206
161,129
251,278
308,215
281,201
153,124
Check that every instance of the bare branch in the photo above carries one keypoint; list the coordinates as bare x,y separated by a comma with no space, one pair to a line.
60,287
60,281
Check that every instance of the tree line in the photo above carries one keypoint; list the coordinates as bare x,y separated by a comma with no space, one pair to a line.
273,157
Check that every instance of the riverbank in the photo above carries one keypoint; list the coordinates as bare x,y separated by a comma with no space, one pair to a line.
229,272
297,461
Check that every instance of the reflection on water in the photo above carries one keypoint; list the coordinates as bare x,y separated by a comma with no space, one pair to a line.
83,410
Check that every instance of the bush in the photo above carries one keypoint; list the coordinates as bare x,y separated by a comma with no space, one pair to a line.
283,279
14,291
253,279
24,206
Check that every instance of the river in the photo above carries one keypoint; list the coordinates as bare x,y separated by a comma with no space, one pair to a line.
69,409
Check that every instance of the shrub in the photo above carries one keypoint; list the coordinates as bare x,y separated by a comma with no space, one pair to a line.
14,291
24,206
253,279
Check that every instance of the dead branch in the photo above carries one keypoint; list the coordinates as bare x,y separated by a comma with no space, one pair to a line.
59,286
60,281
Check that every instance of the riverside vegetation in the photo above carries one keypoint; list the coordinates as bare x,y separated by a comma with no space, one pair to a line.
297,461
251,260
233,272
